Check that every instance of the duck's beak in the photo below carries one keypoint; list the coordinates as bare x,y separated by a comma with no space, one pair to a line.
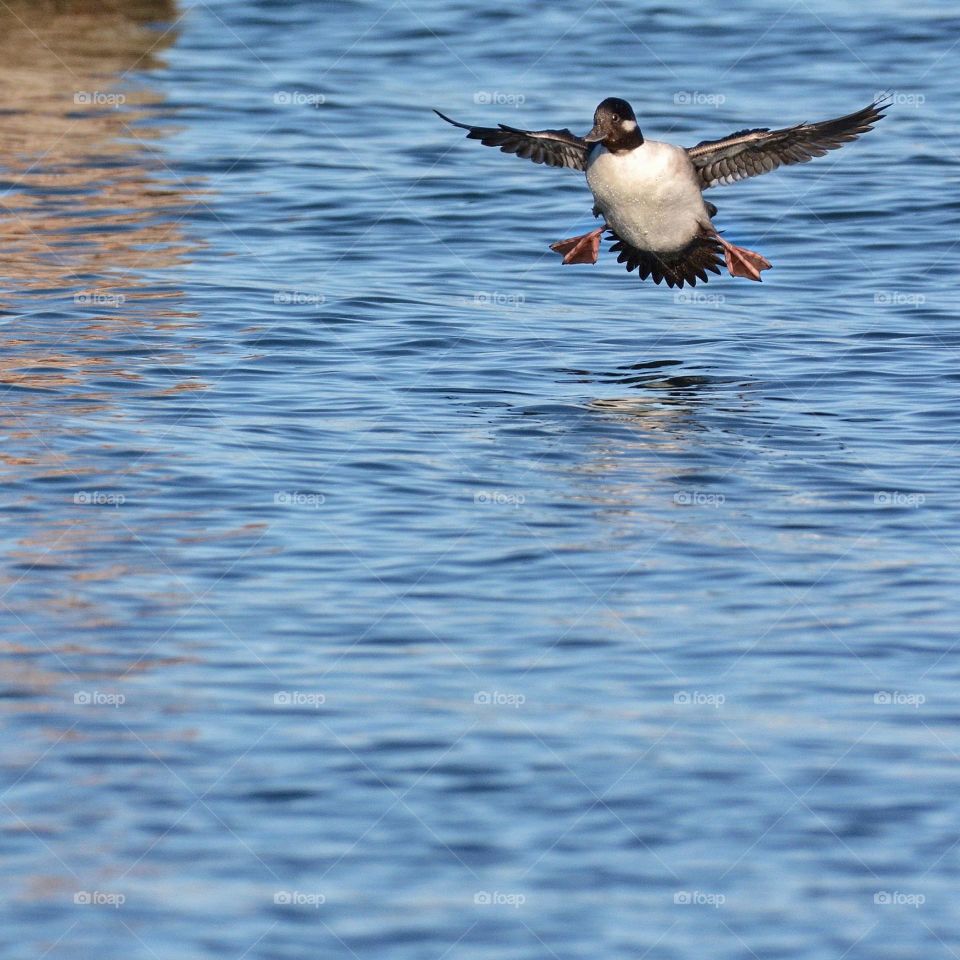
595,134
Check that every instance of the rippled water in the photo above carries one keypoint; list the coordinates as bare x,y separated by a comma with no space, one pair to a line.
376,586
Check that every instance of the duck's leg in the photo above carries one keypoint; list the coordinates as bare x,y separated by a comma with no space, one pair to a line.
582,249
742,262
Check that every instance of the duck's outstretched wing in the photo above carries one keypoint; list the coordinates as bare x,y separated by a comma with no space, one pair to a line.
556,148
748,153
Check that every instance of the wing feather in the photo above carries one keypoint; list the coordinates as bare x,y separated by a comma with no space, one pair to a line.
748,153
555,148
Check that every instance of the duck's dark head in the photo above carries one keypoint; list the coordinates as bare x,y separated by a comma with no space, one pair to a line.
615,126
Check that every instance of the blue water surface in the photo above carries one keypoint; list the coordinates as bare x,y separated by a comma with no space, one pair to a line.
376,586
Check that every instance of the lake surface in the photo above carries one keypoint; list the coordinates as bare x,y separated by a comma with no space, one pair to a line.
375,586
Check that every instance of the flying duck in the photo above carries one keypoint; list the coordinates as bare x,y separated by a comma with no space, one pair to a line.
650,194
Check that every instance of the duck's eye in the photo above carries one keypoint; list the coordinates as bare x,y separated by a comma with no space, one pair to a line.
615,118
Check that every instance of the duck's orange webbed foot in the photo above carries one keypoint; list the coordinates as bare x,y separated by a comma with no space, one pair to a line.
582,249
742,262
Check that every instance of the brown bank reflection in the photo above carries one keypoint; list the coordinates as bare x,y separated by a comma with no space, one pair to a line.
82,187
87,204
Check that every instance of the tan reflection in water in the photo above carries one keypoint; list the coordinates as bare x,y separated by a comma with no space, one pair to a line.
86,203
85,199
82,190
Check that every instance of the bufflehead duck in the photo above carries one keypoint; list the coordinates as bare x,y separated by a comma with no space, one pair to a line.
650,194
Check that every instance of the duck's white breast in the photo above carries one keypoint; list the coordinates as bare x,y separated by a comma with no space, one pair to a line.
650,196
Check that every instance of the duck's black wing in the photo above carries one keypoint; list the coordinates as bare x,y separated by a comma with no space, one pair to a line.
556,148
748,153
